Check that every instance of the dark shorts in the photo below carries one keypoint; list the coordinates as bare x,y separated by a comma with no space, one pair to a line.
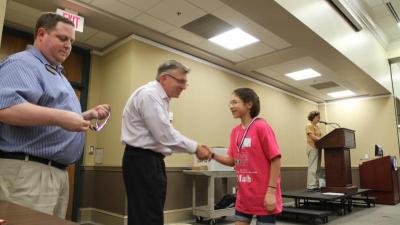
261,220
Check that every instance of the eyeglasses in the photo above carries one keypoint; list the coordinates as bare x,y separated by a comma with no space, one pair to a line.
179,81
233,103
98,127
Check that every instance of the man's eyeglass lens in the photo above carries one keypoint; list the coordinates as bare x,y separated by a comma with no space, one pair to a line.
182,82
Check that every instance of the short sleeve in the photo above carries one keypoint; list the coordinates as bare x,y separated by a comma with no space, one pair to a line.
232,146
269,142
309,129
19,83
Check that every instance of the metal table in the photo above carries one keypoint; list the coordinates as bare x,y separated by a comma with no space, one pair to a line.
208,211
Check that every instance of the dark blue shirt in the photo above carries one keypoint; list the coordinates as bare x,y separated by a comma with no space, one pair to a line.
27,77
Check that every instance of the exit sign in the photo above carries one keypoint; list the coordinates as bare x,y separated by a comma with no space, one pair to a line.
77,20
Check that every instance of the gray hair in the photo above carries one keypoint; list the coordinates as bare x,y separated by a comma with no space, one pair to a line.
171,65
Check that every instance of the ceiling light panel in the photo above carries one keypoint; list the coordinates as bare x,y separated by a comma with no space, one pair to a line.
303,74
233,39
220,51
341,94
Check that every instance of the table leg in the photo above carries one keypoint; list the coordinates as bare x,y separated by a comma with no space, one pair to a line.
211,193
194,193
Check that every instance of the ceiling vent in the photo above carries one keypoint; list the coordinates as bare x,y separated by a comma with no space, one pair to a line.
394,8
207,26
324,85
347,14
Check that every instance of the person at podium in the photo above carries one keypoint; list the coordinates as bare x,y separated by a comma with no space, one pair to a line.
313,133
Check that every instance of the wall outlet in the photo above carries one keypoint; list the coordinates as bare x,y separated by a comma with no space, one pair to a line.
98,155
91,150
366,156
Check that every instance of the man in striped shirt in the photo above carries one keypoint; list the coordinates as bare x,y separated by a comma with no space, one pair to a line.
41,123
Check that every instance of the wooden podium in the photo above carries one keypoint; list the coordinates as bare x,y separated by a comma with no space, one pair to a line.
337,145
379,175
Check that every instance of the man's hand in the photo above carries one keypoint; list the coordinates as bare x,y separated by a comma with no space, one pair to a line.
27,114
72,121
100,112
203,152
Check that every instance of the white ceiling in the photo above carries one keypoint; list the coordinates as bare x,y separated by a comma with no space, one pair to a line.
380,14
286,45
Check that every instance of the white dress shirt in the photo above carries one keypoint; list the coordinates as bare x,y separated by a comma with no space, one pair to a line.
145,122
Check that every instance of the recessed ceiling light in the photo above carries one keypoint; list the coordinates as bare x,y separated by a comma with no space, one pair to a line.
303,74
233,39
341,94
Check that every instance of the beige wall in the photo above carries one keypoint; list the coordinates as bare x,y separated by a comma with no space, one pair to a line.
3,4
201,112
374,121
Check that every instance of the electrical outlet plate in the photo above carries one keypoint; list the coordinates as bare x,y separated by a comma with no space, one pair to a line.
91,150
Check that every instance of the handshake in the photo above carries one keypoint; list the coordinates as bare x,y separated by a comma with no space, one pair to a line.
203,152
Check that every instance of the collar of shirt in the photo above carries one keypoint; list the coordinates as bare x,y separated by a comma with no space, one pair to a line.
35,52
161,92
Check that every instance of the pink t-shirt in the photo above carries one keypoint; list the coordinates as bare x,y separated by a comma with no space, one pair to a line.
252,165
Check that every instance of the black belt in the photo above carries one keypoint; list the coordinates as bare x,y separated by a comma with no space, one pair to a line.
144,151
23,156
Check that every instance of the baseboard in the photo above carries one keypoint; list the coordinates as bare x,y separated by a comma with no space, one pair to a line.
102,217
178,215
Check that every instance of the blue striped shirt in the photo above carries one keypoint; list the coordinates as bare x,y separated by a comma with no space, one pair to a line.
26,77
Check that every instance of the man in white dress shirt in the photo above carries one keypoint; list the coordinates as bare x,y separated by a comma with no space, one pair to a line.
149,136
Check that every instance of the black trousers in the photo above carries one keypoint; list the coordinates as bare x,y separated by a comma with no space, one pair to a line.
146,185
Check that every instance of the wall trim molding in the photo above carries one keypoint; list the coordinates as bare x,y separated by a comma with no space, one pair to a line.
119,168
194,58
178,215
363,98
178,169
101,217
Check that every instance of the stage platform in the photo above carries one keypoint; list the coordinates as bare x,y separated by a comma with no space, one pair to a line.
341,203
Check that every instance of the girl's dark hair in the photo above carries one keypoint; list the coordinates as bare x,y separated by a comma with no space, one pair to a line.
312,115
248,95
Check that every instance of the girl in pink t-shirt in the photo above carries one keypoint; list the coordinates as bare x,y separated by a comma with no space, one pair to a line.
255,154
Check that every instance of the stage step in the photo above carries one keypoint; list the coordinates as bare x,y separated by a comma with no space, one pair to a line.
364,200
311,213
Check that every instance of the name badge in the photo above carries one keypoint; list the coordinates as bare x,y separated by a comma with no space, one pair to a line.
247,143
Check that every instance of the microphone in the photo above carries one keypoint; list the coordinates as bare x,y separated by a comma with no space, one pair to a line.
328,123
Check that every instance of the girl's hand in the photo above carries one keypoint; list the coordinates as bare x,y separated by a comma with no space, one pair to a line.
270,200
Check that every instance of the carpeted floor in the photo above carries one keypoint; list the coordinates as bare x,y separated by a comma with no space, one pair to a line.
378,215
